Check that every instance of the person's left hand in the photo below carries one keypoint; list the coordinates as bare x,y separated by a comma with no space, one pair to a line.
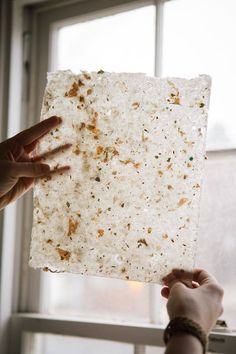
18,169
195,295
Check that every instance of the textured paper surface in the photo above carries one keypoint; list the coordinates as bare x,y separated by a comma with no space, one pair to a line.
129,207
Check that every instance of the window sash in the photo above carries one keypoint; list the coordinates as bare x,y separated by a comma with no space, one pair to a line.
29,293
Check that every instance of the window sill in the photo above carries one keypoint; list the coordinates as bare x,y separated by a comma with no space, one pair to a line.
116,331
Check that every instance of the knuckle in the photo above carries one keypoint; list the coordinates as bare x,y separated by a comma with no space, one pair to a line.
18,150
6,168
216,289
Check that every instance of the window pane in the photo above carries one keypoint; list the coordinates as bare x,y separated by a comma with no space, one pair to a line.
199,38
216,251
97,297
51,344
217,235
113,43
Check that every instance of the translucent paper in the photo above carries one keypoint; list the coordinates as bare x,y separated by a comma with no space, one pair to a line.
129,206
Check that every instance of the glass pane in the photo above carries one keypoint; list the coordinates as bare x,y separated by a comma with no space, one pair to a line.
113,43
51,344
216,250
199,38
97,297
217,235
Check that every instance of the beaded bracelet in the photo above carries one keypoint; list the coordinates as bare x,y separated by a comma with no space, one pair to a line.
184,324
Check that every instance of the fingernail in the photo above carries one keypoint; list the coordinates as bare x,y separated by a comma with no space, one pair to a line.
59,120
55,119
67,146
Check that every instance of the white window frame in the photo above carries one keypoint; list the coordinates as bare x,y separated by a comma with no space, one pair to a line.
21,304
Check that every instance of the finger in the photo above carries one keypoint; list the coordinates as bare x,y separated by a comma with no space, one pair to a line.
195,285
170,280
202,277
45,155
29,148
57,171
184,276
165,291
199,276
30,135
28,169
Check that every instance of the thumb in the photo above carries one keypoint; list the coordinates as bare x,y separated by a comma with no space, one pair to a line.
28,169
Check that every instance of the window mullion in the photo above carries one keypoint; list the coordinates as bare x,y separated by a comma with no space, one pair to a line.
153,305
159,37
139,349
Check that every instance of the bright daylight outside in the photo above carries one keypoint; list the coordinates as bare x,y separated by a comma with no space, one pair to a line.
197,39
93,45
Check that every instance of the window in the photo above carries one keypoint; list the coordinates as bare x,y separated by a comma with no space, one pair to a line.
168,38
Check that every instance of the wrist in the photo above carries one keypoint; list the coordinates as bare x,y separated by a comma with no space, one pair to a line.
184,325
194,314
195,319
185,342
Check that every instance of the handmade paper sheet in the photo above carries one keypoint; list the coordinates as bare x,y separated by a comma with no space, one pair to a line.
129,206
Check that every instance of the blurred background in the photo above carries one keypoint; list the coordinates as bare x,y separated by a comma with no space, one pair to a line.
181,38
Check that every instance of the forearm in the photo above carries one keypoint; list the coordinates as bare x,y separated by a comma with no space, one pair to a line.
183,343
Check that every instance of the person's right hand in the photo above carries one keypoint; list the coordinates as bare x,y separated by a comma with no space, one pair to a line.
195,295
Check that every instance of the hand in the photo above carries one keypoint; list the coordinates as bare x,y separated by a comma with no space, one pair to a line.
195,295
18,169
